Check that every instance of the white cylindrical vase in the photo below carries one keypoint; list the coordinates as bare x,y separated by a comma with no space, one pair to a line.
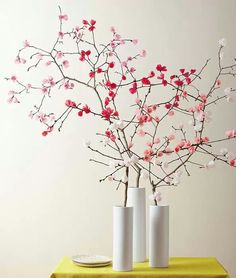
137,200
159,236
122,238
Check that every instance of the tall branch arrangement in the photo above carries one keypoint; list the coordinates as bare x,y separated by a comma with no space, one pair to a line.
132,140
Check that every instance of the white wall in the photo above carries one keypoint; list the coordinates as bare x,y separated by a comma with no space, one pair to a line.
50,203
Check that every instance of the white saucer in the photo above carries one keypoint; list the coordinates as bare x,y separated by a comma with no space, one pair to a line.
91,260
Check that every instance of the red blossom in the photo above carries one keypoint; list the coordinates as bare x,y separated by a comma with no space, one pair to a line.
112,94
70,103
168,106
80,113
186,74
178,83
107,101
182,71
92,74
92,22
86,109
133,90
151,74
145,81
91,28
164,82
161,76
85,22
88,52
159,67
188,80
123,77
111,65
108,112
192,71
45,133
99,70
232,162
110,85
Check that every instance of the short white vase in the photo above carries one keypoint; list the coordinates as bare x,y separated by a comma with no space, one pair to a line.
159,236
137,200
122,238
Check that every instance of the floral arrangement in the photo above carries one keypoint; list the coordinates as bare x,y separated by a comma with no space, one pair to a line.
131,140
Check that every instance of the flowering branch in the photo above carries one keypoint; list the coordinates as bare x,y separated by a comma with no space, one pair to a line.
133,139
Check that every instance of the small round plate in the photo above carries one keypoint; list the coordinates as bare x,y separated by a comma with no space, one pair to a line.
91,259
92,265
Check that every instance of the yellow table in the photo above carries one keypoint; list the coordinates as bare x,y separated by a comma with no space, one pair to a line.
178,268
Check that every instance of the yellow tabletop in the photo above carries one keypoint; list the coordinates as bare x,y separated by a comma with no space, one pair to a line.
178,268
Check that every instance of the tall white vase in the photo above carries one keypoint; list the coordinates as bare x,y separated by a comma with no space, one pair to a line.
159,236
122,238
137,200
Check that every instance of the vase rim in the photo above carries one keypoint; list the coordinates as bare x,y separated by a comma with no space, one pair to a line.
138,188
162,206
122,207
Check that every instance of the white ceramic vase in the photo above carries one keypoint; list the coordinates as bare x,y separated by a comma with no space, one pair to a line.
137,200
122,238
159,236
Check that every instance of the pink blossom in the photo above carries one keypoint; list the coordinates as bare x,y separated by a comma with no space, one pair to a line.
143,53
148,154
132,69
17,60
171,136
130,145
65,63
61,35
230,133
124,64
149,144
39,56
44,90
26,44
156,141
191,150
177,149
218,82
41,117
135,41
171,113
141,133
113,30
48,63
63,17
31,115
13,78
110,178
168,151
